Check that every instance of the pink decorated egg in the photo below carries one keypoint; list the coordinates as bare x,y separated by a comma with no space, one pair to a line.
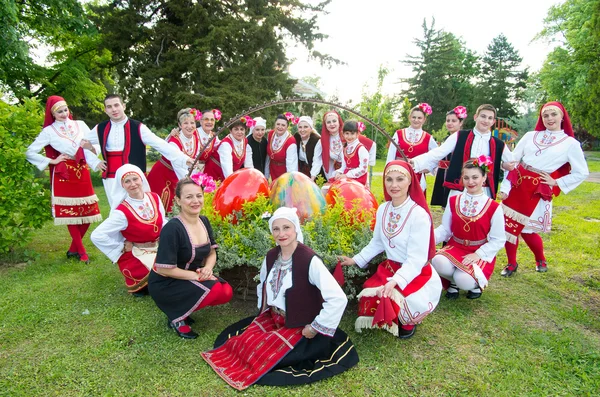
238,188
294,189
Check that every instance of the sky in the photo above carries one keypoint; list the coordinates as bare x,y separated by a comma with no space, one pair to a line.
366,34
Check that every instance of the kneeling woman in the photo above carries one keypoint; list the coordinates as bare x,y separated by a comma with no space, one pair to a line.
129,237
294,339
403,229
182,279
473,226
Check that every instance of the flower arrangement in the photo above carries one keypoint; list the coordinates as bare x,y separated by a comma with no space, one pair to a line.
196,113
361,126
426,108
460,112
484,162
207,183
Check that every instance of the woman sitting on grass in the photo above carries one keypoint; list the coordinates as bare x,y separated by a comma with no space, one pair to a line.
295,339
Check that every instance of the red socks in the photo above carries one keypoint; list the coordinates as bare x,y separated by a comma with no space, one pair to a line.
536,245
76,244
219,294
511,252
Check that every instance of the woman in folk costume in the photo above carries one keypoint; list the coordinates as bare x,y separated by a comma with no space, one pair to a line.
405,288
551,162
310,152
332,142
295,339
258,143
473,226
163,176
233,152
129,236
413,140
282,155
74,202
356,156
182,281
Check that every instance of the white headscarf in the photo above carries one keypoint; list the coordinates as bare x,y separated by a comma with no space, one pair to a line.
291,214
308,120
260,122
119,193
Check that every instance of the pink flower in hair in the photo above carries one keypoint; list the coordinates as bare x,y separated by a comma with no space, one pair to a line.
289,116
217,114
196,113
295,120
206,182
484,162
460,112
361,126
425,108
250,122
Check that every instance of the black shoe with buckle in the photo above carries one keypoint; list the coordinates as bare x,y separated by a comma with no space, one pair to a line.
406,333
185,335
541,266
474,294
452,292
509,270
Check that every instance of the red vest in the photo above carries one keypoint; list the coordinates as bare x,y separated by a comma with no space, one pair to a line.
352,160
413,150
277,158
176,140
141,230
213,165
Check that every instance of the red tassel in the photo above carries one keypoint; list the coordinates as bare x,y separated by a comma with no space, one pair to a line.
338,274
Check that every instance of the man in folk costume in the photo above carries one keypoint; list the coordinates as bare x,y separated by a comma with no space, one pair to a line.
282,155
74,202
122,140
308,142
258,143
414,140
551,162
405,288
465,145
233,152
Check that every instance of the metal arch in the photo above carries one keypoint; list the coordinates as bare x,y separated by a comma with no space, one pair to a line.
296,100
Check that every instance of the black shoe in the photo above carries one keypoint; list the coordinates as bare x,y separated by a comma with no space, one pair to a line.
541,266
141,293
404,333
473,295
509,270
452,294
185,335
72,255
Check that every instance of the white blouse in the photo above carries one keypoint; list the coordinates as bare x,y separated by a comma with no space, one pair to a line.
403,232
472,206
107,236
363,158
226,156
280,279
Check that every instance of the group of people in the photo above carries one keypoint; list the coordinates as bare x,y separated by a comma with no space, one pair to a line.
295,337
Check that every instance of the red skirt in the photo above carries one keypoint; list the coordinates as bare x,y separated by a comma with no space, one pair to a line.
163,180
73,199
134,271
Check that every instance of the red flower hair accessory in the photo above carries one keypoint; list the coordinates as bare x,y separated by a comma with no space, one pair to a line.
426,108
196,113
207,183
289,116
460,112
361,126
217,114
484,162
249,121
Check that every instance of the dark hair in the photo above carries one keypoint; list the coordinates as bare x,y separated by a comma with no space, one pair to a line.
472,164
111,96
454,113
486,106
282,117
237,123
350,126
418,109
182,182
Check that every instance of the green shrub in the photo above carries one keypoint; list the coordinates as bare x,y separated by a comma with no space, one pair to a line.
330,234
24,201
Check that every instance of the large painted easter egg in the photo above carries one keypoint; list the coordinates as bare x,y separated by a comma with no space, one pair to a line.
238,188
356,198
294,189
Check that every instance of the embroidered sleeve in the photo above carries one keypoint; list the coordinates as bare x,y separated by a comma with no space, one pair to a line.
322,329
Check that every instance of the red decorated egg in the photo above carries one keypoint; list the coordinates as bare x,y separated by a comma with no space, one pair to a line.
356,198
238,188
294,189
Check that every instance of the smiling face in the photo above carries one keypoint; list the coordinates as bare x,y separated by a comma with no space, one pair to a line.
133,185
417,119
258,133
453,123
332,123
61,114
114,109
187,125
191,199
552,119
484,120
396,185
238,132
473,180
207,122
304,130
284,233
350,136
281,126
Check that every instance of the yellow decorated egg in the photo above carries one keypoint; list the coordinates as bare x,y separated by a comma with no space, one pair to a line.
294,189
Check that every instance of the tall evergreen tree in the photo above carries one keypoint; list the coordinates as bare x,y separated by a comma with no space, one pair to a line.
229,55
443,71
502,81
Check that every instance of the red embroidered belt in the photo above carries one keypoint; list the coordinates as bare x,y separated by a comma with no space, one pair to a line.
163,162
278,163
469,243
532,169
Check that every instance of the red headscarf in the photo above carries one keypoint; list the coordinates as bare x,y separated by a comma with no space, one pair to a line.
53,100
416,194
566,121
325,137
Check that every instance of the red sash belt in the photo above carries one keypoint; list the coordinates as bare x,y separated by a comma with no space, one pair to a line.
469,243
114,160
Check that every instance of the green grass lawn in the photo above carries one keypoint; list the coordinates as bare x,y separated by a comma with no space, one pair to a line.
70,329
